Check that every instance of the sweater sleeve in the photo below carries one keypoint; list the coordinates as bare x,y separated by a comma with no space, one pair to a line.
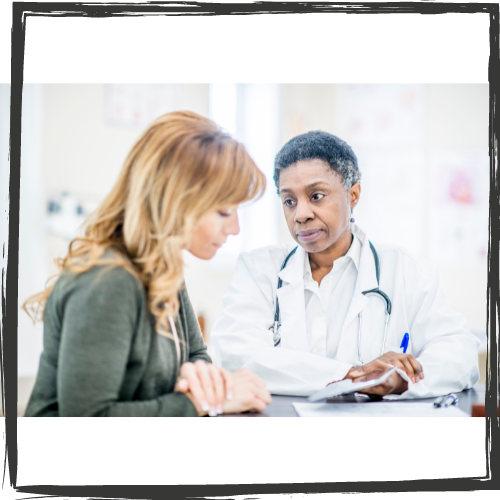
197,347
99,323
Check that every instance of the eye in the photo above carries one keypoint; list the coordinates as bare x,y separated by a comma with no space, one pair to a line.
225,214
288,202
317,196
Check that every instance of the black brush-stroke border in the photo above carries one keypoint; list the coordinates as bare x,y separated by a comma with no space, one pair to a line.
491,481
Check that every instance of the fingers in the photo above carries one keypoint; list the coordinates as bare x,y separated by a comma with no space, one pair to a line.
373,366
406,362
259,404
417,368
207,384
408,368
250,393
262,394
357,371
218,385
182,385
228,382
211,387
393,385
190,373
410,365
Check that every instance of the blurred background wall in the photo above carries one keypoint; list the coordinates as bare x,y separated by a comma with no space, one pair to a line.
422,150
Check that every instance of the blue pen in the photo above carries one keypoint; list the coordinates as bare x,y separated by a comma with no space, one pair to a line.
451,399
445,401
405,342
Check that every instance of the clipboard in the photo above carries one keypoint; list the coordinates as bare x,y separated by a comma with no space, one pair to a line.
348,386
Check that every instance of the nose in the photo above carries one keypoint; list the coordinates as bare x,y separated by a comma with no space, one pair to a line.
233,226
303,212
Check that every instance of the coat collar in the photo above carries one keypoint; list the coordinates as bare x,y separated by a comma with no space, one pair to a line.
294,270
367,276
366,279
291,296
362,258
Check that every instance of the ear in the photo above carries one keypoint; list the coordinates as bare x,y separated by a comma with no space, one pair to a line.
354,194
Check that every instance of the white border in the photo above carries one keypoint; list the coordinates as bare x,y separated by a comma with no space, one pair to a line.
82,51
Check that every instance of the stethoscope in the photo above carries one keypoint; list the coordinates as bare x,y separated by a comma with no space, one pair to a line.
276,328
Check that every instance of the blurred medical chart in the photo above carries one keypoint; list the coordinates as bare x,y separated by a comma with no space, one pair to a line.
381,116
422,150
460,200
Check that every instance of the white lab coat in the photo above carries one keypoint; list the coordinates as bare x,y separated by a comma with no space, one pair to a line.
439,337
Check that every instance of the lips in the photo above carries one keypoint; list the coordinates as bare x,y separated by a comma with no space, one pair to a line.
309,234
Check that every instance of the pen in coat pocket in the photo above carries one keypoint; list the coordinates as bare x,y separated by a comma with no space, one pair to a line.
405,342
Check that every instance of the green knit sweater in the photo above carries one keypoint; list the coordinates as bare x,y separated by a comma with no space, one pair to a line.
102,355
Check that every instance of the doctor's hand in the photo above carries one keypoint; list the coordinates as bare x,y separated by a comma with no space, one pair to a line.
405,362
374,369
249,393
392,385
206,385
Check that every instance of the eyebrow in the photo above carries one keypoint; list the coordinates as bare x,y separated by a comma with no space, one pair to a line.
309,186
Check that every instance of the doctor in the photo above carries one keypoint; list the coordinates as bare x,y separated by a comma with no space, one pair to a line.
334,305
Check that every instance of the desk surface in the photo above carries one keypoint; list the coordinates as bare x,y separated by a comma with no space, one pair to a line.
281,406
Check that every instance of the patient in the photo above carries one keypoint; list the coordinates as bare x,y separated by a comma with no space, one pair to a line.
120,335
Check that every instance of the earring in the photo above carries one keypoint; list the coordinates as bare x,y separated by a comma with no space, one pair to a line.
352,218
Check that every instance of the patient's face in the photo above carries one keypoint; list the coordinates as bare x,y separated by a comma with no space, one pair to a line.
316,204
213,230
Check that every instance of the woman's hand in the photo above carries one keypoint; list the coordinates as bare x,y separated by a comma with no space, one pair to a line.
250,393
207,386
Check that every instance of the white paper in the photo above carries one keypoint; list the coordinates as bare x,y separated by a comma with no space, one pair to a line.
348,386
375,409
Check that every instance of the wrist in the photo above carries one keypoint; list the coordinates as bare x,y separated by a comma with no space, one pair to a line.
401,387
197,407
229,406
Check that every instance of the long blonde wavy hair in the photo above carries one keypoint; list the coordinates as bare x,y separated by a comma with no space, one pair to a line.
182,167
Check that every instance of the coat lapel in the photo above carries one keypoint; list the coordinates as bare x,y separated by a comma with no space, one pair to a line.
292,304
366,280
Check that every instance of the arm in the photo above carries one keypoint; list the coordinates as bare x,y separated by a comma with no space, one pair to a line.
242,337
197,347
442,342
99,324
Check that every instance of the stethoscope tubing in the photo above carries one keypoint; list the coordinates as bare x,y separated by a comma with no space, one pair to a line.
383,296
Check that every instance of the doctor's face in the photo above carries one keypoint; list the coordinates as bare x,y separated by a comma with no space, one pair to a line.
317,205
212,231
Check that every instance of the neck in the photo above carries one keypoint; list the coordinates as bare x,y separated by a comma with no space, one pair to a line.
325,259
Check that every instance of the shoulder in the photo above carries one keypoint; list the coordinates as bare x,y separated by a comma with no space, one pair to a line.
411,265
106,283
267,258
260,267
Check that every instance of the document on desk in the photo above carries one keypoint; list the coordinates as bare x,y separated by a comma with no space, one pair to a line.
376,409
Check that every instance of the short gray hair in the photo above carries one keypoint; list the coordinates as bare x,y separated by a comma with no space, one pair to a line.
321,146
